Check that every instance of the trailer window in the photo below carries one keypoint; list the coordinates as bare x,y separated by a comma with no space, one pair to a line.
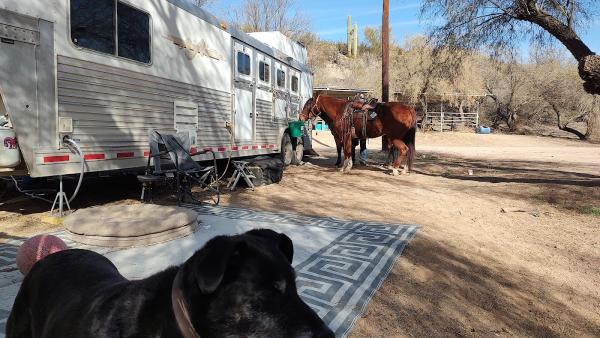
280,78
99,24
93,24
264,72
134,33
295,84
243,63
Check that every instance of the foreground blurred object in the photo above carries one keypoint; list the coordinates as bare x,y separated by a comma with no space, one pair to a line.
36,248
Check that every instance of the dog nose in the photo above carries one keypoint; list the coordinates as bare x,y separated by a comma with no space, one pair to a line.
325,332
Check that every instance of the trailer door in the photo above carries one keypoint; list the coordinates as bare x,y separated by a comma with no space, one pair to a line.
19,45
266,128
244,93
281,91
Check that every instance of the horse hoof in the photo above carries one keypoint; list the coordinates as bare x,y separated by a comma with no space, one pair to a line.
395,172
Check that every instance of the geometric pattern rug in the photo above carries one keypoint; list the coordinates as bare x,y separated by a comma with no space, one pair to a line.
339,280
340,264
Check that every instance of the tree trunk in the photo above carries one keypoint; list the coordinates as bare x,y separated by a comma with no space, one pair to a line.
589,63
564,127
589,70
593,126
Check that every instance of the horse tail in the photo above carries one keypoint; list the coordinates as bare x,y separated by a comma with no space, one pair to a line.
409,140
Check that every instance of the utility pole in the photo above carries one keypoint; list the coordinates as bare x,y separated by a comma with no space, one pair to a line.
385,62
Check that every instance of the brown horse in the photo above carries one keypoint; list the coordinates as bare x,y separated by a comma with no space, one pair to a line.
397,121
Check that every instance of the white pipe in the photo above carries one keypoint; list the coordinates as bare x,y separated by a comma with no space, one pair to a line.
80,153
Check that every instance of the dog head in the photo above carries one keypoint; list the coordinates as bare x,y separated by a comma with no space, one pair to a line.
245,285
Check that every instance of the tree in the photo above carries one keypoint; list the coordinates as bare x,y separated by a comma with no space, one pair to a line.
271,15
556,83
202,3
471,23
507,83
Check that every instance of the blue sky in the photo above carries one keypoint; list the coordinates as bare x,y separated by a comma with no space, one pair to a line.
328,18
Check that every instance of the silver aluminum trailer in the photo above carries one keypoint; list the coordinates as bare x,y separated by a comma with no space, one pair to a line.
104,72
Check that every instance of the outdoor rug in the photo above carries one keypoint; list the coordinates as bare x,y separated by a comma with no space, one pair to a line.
340,264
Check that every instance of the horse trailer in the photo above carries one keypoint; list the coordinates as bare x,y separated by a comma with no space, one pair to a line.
102,73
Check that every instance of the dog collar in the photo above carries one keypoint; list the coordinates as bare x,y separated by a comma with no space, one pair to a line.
182,316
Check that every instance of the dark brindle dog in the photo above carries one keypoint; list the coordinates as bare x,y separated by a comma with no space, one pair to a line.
240,285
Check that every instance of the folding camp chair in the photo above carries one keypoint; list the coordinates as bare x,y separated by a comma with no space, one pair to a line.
174,165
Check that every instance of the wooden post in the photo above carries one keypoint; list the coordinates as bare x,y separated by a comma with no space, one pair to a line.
441,116
385,62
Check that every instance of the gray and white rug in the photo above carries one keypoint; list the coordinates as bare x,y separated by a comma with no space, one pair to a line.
340,264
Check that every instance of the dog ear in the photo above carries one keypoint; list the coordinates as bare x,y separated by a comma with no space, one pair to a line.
287,247
283,242
210,263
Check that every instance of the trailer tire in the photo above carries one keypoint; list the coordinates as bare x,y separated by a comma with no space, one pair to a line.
287,151
298,153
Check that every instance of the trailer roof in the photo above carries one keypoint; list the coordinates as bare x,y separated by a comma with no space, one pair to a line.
239,35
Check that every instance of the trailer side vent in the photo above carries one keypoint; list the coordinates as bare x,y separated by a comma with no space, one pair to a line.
186,119
65,125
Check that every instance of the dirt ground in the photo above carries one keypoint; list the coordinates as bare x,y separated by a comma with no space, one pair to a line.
509,243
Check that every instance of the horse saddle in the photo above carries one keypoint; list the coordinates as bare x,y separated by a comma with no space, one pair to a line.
364,117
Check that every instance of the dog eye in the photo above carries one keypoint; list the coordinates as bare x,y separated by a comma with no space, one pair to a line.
279,286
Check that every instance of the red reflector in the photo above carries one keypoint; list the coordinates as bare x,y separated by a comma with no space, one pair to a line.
93,157
207,149
271,146
254,147
146,153
52,159
245,148
234,148
125,155
193,150
264,146
222,149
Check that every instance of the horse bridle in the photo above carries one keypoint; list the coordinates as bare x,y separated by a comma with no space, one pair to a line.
182,316
312,109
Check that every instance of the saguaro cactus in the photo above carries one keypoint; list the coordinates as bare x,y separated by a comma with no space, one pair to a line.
352,40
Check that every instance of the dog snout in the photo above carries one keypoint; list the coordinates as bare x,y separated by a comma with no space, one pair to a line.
324,332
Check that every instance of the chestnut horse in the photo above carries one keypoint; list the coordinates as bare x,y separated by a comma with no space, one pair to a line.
397,121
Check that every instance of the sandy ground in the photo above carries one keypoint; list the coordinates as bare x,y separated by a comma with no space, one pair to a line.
506,251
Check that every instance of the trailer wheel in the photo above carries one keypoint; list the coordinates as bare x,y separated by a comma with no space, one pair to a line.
298,153
287,151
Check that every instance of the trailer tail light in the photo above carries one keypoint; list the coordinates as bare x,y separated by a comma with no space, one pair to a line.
59,158
128,154
92,157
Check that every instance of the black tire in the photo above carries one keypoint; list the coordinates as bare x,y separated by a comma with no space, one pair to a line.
287,151
298,153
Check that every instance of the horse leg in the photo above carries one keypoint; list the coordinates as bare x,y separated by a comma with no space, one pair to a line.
354,144
402,153
338,146
347,155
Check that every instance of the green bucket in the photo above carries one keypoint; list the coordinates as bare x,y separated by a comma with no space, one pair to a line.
296,128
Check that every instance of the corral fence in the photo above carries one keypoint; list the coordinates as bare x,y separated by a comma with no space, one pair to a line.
446,112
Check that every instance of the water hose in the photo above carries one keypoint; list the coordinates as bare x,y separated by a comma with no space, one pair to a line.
72,142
